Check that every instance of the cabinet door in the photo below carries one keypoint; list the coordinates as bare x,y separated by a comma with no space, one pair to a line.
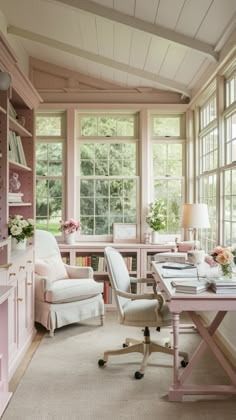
12,323
29,296
21,307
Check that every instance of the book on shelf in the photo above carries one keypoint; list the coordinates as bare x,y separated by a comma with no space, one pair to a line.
16,151
191,286
12,111
15,197
178,266
106,292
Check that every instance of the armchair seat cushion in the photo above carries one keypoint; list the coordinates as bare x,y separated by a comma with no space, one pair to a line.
71,290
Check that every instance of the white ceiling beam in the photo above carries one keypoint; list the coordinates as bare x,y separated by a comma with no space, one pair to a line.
149,28
164,82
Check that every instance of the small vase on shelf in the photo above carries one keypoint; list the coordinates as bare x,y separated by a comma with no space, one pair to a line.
225,271
155,237
69,238
18,246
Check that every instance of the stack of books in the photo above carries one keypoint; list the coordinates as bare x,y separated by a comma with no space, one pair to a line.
15,197
219,285
190,286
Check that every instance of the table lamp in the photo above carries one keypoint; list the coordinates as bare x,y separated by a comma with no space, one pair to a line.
194,217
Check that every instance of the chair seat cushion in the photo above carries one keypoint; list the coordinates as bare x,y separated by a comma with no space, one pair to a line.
145,311
71,290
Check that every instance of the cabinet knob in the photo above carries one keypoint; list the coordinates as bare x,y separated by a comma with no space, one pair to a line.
29,283
22,267
12,274
29,262
19,299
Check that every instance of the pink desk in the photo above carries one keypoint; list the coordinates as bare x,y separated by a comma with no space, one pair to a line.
206,301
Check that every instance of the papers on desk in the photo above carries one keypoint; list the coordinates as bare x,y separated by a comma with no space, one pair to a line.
190,286
172,273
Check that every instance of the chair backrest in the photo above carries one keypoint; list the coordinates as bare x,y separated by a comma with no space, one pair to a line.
45,245
118,274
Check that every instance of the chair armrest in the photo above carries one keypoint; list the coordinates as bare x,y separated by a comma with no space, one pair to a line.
75,272
42,284
135,296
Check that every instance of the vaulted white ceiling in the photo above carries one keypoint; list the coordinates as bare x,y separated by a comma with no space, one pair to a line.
163,44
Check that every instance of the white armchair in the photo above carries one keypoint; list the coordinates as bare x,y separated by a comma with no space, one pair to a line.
64,294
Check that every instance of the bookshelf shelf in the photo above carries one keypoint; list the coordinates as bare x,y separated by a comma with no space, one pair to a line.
19,166
19,204
2,110
18,128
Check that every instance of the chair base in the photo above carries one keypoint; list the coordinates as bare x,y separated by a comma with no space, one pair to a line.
145,347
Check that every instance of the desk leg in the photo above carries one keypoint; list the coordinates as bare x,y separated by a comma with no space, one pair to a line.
174,393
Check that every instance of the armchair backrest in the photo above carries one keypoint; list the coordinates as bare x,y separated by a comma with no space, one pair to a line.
118,274
45,245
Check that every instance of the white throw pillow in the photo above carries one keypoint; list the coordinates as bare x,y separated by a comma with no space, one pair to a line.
51,267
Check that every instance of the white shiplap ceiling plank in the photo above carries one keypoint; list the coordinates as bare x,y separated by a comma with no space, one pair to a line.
133,81
168,13
122,43
190,66
216,20
88,32
146,10
192,15
105,35
156,54
106,3
139,49
125,6
120,78
107,73
173,60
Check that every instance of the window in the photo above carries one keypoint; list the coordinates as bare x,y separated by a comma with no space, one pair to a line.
230,88
49,171
208,148
167,164
229,207
230,138
107,173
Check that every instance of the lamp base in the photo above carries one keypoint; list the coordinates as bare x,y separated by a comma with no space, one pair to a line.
196,256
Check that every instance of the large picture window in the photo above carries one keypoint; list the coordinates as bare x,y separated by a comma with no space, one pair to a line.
107,174
49,171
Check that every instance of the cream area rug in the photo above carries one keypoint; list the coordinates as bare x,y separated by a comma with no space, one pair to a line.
63,380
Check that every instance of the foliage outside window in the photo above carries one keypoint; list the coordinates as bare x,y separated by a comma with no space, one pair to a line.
108,182
49,172
167,126
168,181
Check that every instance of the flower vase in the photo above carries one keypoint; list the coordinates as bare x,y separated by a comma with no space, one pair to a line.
69,238
225,271
18,246
155,237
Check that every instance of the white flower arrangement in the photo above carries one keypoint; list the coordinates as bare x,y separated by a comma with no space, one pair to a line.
19,228
156,218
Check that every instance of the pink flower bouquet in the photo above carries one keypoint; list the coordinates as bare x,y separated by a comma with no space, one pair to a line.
69,226
224,257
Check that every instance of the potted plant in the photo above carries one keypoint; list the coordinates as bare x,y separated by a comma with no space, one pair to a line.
69,227
156,218
20,229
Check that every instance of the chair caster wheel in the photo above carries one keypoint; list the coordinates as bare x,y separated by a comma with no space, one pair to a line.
101,362
138,375
124,345
184,363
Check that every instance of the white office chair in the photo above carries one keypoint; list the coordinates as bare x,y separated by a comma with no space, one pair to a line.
64,294
144,310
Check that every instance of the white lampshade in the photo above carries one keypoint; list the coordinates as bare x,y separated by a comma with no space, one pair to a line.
5,80
195,216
